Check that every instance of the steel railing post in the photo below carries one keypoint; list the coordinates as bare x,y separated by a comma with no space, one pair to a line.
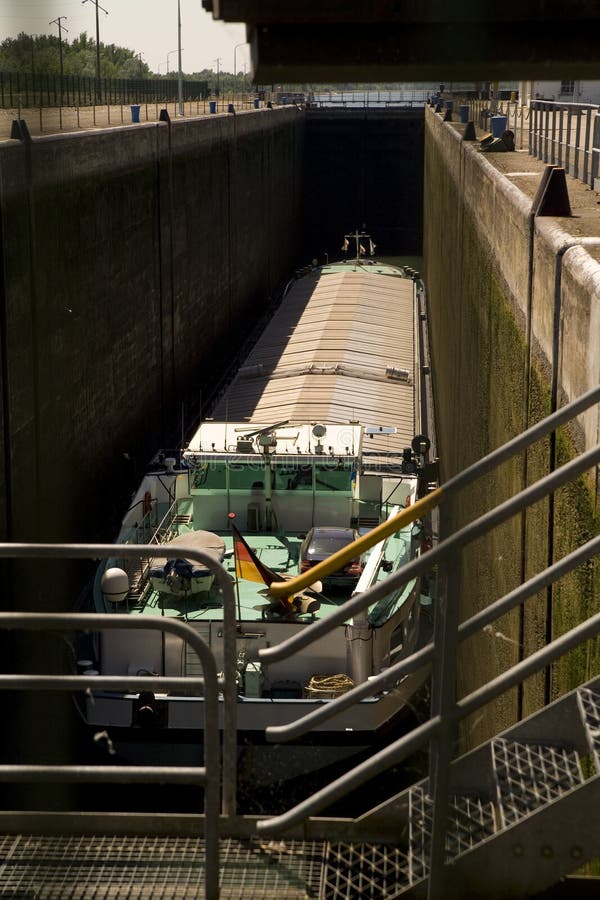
443,702
595,151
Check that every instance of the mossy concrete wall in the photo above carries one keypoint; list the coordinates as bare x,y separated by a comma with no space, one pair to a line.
514,303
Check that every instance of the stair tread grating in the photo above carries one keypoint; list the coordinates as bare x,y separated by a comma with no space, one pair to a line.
470,821
589,704
358,869
530,776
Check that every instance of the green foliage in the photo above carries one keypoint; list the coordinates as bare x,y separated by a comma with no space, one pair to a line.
41,54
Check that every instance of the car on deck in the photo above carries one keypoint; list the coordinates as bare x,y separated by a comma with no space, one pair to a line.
320,543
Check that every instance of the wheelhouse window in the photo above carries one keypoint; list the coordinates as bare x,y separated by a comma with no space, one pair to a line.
334,475
209,476
293,476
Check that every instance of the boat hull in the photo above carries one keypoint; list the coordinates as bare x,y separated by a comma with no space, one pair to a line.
177,733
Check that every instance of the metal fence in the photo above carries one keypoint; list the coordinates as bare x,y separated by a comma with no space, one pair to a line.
566,135
559,134
29,89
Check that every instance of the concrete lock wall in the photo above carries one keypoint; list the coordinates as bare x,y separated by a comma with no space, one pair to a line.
514,305
134,262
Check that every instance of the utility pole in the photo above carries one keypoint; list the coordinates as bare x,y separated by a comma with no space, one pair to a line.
61,27
179,74
97,5
58,22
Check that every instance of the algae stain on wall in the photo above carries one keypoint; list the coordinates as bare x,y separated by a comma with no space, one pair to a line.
576,596
490,385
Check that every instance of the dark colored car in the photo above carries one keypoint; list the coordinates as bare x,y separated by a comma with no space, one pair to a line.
324,540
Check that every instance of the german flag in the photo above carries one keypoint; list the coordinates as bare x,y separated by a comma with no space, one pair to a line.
249,567
247,563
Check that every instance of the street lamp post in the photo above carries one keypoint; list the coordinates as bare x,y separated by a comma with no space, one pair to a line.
33,37
218,60
168,55
242,44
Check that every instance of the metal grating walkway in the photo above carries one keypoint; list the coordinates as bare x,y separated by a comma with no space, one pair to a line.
103,867
92,867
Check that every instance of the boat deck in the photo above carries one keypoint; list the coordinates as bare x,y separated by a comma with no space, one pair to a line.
279,553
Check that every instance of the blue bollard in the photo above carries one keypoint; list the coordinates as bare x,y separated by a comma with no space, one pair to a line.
135,113
498,124
212,105
256,103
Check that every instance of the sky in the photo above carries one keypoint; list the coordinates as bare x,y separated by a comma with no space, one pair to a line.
148,27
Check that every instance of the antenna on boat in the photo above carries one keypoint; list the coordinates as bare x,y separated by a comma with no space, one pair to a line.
265,430
360,239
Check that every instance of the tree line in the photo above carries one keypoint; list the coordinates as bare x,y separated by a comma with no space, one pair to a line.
40,55
32,54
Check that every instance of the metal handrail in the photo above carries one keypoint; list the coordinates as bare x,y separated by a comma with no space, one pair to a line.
109,620
406,745
425,655
446,711
208,775
480,526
